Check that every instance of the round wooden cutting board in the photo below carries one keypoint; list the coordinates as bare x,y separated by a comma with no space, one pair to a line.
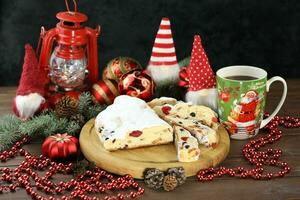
135,161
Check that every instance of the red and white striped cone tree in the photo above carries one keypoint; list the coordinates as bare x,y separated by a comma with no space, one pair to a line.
163,66
202,83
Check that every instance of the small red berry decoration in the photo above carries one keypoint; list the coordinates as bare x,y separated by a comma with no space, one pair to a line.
136,133
214,119
225,96
166,109
184,138
60,146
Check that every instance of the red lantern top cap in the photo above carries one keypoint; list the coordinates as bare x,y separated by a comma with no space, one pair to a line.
72,16
75,17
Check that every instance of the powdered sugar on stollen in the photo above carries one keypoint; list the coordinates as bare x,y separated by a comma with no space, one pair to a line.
125,115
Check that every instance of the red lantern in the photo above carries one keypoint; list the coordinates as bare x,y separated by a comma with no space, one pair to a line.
60,146
74,51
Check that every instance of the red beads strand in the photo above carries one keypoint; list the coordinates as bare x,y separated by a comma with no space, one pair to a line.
269,157
82,187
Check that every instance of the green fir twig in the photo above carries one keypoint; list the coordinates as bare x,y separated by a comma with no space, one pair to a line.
46,123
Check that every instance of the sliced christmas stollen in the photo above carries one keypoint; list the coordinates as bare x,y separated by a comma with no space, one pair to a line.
187,146
168,106
204,134
130,123
162,101
198,112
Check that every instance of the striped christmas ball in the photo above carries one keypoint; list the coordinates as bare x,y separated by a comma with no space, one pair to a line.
116,67
105,91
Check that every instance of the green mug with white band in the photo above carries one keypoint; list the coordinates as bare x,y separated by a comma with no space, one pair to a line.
241,99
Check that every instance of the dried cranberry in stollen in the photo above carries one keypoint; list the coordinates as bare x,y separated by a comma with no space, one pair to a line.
184,138
214,119
136,133
166,109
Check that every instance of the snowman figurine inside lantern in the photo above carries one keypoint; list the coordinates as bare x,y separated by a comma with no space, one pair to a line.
69,51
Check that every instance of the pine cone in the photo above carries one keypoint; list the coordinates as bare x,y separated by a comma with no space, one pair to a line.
170,183
154,178
78,118
66,107
178,172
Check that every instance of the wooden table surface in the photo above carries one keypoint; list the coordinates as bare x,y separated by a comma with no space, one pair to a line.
224,187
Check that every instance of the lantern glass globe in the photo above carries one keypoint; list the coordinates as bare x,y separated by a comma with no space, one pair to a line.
67,73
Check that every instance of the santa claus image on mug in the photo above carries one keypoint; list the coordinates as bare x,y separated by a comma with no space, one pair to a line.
241,99
244,113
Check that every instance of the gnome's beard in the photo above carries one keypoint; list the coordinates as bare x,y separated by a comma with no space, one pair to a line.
27,105
164,73
206,97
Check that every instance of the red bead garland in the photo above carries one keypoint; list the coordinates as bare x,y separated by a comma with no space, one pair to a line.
82,187
258,158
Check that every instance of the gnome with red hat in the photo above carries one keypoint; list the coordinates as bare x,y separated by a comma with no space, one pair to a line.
202,82
163,66
30,94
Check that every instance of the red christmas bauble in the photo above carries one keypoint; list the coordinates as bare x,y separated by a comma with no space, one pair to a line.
105,91
60,146
119,66
137,84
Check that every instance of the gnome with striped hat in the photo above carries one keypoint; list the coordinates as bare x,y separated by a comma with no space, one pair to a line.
163,65
202,82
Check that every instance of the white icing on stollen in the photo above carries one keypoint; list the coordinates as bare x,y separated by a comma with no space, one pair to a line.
126,114
167,99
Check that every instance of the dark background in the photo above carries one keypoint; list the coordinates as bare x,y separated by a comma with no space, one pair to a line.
263,33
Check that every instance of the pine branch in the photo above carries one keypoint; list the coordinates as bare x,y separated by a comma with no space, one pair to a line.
85,100
58,125
93,111
9,131
44,125
73,128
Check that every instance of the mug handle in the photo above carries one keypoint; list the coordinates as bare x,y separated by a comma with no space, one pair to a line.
269,82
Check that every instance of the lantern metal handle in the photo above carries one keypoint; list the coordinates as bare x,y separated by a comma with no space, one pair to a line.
43,31
75,5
